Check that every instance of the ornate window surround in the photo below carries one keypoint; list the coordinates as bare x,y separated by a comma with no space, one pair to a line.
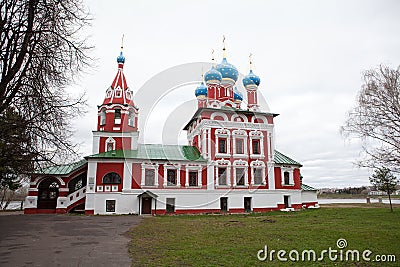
257,164
240,134
223,133
240,164
222,163
260,136
110,140
169,166
193,167
291,178
151,166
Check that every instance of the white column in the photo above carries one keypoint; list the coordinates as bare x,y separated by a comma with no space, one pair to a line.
127,185
271,175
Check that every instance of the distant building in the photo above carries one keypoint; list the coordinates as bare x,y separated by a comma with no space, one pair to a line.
230,164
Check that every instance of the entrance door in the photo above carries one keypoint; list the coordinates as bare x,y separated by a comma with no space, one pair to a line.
146,205
48,194
286,200
247,204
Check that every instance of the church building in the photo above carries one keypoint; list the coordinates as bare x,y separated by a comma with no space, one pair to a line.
229,165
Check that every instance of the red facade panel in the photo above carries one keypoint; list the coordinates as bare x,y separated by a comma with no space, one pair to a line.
104,167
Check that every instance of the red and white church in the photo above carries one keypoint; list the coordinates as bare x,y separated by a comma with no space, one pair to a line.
230,164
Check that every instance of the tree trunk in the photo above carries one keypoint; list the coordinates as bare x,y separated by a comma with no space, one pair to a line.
10,198
2,198
390,202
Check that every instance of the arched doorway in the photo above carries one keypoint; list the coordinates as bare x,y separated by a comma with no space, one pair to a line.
48,194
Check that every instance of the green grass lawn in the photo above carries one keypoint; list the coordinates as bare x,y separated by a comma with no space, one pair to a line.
234,240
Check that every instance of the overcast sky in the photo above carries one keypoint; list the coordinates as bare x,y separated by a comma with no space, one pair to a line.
309,55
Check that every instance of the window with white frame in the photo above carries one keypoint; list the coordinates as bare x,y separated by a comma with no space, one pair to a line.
222,140
287,175
240,169
110,144
193,178
149,176
222,145
117,116
110,205
108,93
239,143
128,94
193,175
171,177
256,144
118,93
240,176
258,179
222,175
103,117
131,118
257,172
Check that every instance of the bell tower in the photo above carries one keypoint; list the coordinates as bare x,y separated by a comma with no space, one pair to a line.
117,117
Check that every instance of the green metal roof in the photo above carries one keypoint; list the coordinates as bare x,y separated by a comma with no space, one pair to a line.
307,188
155,152
282,159
62,169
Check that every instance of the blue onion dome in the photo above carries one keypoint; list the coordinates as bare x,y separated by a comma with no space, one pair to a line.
212,76
201,91
121,58
237,96
227,70
251,79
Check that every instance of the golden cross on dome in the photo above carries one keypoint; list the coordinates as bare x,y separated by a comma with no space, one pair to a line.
251,61
212,57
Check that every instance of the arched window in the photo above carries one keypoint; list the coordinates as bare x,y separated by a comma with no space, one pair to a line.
103,117
117,116
131,118
112,178
110,144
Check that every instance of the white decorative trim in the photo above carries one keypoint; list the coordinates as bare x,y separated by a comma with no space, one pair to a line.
222,133
240,164
257,135
221,164
109,140
240,134
220,114
177,168
193,167
59,179
291,178
257,164
205,123
242,116
255,116
153,166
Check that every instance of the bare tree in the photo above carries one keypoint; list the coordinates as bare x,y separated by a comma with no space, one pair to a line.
42,50
376,118
385,181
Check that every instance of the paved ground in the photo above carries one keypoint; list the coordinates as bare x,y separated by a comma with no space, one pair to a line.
65,240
